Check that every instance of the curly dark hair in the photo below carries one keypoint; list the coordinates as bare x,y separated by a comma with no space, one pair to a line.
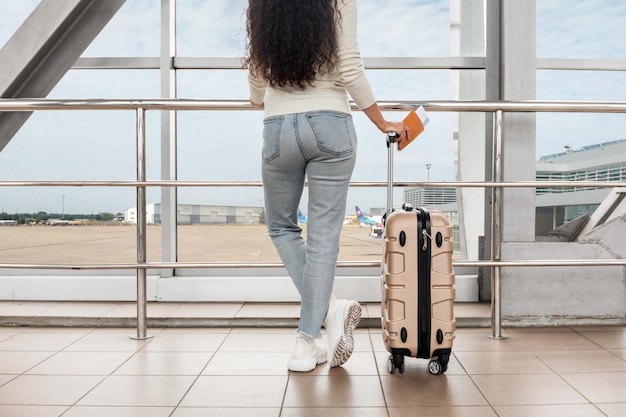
290,41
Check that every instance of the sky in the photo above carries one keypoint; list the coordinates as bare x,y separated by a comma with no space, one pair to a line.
90,145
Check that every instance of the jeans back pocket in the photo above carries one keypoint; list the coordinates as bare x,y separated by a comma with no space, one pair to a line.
333,130
271,137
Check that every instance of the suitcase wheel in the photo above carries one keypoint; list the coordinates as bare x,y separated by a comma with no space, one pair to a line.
434,367
395,362
438,366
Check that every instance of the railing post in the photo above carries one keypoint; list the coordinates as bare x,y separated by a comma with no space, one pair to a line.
496,231
142,316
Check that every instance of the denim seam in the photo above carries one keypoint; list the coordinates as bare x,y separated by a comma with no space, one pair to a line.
298,139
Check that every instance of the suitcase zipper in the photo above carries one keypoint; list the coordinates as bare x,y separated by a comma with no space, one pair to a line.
425,235
424,298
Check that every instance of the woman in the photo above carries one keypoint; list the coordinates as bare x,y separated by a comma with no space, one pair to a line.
304,60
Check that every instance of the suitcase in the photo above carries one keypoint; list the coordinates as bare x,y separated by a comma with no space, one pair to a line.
417,283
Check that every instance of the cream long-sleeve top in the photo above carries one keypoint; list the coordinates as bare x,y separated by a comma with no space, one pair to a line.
330,90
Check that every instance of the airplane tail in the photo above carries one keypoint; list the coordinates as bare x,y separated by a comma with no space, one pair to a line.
359,213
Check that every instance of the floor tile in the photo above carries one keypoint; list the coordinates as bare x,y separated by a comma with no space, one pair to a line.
213,310
522,389
242,342
501,362
554,340
581,410
226,412
236,392
376,339
479,342
240,372
81,363
39,341
333,391
428,390
573,361
360,363
461,411
611,339
107,342
152,310
139,391
362,341
620,353
614,409
6,378
184,342
335,412
165,363
604,387
80,309
86,411
16,362
264,330
31,410
248,363
47,389
5,334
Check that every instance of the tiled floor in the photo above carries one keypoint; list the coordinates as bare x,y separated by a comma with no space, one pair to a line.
236,371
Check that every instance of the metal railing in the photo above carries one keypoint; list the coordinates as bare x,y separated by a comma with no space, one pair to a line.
497,108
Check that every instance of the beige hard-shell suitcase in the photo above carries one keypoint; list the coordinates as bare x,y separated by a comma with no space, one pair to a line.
417,285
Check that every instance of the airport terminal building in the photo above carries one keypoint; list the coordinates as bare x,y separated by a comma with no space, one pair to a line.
200,214
555,206
600,162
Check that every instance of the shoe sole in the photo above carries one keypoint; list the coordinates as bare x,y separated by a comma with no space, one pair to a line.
350,316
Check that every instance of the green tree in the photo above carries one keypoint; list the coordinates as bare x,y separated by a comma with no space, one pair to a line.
106,217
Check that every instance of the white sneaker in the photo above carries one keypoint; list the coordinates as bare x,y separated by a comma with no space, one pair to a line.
306,356
342,318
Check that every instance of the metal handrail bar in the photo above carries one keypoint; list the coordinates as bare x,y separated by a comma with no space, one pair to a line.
497,108
340,264
19,104
206,183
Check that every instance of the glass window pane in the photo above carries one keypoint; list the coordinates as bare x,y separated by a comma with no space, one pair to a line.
13,15
211,27
135,31
384,30
583,29
213,84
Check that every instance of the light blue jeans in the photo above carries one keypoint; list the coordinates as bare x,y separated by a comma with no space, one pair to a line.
321,147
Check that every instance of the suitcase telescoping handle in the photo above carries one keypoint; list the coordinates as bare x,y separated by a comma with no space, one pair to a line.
391,139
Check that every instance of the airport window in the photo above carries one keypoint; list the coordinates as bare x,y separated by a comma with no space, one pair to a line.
105,141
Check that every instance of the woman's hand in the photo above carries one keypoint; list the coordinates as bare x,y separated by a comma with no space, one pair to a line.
256,105
375,115
400,129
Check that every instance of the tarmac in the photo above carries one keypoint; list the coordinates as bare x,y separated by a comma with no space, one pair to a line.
85,244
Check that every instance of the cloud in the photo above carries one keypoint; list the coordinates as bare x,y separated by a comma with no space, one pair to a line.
581,29
225,145
12,16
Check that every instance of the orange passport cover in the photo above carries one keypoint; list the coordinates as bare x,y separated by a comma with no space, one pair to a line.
416,127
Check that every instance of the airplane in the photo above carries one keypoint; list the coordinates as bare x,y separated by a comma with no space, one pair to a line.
366,220
301,217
